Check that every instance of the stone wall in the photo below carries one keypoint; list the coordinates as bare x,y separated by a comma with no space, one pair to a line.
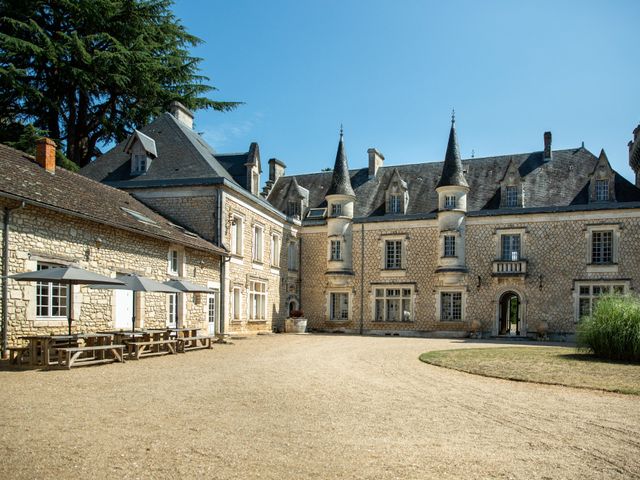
37,234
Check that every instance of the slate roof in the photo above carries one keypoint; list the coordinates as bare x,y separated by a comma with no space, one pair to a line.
561,182
340,183
73,194
452,174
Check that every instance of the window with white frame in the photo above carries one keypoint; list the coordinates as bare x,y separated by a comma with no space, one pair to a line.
395,203
602,190
450,306
212,308
449,246
393,304
393,254
237,231
336,209
588,294
51,297
450,201
275,250
257,243
602,246
339,306
236,304
510,247
257,300
293,209
140,163
292,256
172,317
511,196
336,250
173,262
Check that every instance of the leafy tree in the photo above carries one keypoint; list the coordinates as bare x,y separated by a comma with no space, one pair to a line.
87,72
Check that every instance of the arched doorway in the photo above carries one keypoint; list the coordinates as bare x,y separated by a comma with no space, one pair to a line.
509,314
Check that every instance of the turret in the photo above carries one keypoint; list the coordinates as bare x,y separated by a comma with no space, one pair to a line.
634,154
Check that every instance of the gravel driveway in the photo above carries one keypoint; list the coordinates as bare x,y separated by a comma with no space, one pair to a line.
308,406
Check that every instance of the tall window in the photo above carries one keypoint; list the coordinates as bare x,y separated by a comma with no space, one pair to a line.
510,248
588,296
293,209
173,262
237,303
602,246
212,310
393,254
51,297
395,203
336,250
602,190
257,300
450,306
450,201
236,236
339,306
511,197
257,243
172,318
336,209
449,246
393,305
292,256
275,250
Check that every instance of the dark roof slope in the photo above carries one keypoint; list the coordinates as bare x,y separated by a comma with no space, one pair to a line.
23,179
452,174
340,184
236,165
560,182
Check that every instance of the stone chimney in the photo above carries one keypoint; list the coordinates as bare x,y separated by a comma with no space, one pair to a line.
182,113
547,147
276,170
46,154
376,159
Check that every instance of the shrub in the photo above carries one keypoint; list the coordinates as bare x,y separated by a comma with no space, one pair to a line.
297,314
613,329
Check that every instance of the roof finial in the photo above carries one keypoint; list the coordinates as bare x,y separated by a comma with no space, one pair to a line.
473,153
341,131
453,116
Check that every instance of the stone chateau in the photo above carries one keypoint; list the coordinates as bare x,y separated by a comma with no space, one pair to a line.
515,245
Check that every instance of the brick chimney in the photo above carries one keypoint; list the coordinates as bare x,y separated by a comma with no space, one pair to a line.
46,154
376,159
276,170
181,113
547,147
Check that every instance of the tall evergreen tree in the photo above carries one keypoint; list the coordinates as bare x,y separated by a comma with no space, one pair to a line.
87,72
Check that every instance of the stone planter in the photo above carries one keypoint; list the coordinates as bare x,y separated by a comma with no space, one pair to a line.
295,325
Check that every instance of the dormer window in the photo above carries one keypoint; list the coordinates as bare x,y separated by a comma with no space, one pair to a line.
397,194
395,203
336,209
602,190
140,164
511,197
450,202
142,150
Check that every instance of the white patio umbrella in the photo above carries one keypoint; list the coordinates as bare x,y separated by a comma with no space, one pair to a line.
187,286
67,276
137,283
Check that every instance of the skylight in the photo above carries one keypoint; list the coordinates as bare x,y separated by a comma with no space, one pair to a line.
138,216
317,213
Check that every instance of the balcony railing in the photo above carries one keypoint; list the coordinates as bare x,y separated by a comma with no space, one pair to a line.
510,267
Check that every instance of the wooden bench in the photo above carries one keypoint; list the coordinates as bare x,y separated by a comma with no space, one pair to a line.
16,355
141,349
70,356
193,343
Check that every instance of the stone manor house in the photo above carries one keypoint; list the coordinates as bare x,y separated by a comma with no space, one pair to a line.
514,245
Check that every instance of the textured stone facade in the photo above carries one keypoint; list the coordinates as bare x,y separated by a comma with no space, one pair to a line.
41,235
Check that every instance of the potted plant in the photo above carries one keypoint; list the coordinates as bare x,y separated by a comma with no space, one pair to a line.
296,323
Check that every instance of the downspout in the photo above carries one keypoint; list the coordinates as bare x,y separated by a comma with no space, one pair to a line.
5,273
362,279
223,262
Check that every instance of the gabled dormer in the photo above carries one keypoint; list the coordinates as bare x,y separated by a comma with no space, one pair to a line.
511,192
396,195
297,200
142,150
253,169
602,181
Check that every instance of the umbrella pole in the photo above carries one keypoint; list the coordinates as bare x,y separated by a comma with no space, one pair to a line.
70,304
133,314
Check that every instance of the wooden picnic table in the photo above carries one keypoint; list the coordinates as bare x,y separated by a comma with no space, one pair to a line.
41,346
190,339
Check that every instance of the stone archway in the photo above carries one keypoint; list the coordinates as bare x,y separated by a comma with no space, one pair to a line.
510,314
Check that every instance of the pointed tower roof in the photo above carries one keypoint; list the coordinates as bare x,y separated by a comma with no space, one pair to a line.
340,181
452,174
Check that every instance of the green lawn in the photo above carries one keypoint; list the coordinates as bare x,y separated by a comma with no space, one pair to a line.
550,365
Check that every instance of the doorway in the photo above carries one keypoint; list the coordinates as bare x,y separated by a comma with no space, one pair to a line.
124,309
212,312
509,315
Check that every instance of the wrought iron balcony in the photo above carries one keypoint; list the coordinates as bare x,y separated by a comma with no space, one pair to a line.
509,268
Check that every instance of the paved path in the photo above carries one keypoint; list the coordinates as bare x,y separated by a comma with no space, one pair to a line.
308,407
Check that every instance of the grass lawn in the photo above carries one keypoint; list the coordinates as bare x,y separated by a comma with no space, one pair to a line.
551,365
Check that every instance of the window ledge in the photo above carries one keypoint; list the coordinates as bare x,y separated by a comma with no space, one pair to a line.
256,321
602,268
257,265
393,322
238,260
335,320
455,322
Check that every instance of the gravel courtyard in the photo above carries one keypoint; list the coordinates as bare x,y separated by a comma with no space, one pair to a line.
308,407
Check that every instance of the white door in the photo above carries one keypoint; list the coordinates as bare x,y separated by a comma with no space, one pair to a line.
212,312
124,309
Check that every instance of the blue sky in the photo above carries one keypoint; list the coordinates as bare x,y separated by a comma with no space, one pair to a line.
391,71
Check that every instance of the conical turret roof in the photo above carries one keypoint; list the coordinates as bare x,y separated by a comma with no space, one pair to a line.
340,182
452,174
